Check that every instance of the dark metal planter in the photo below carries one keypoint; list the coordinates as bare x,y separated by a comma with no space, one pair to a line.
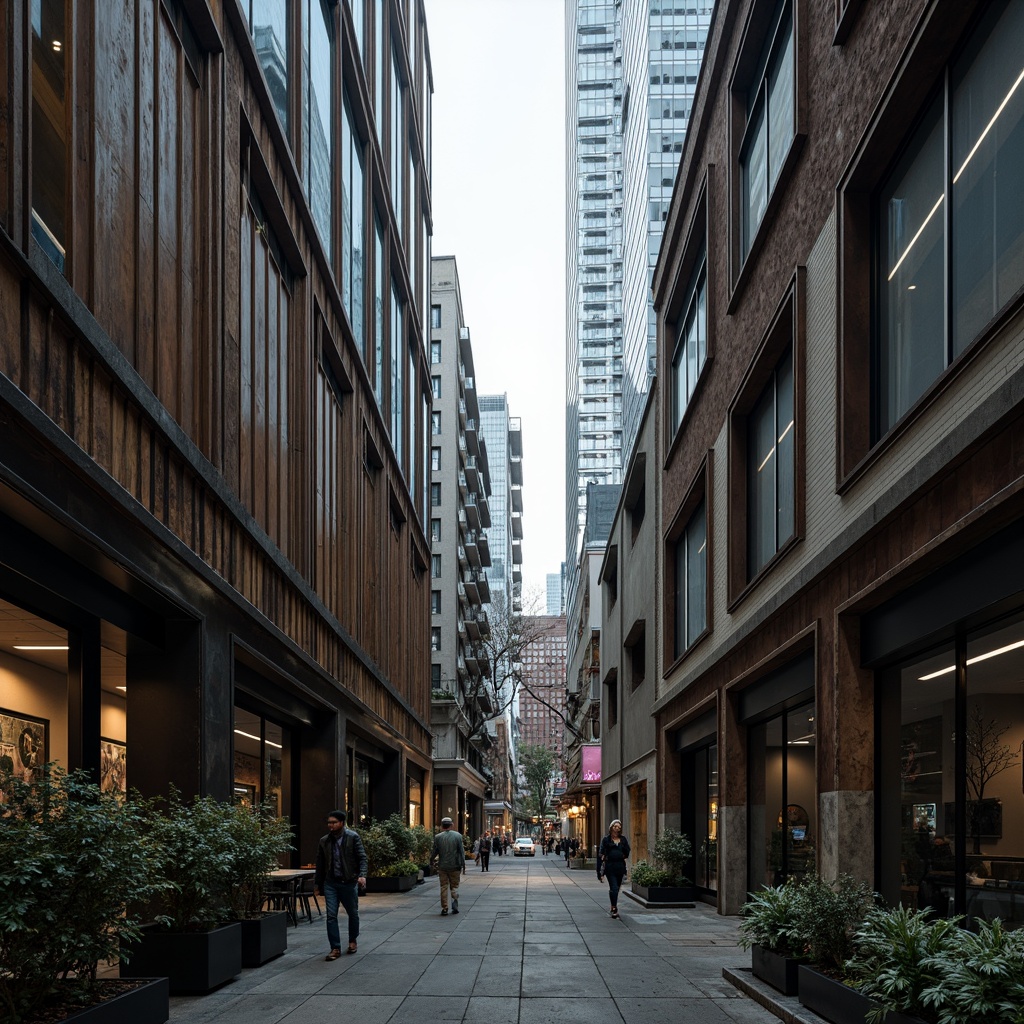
837,1002
192,961
398,883
666,893
149,1003
777,970
264,938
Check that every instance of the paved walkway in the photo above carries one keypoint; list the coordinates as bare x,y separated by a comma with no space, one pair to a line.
533,944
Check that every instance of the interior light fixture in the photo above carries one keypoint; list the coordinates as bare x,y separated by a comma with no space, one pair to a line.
249,736
40,647
123,689
972,661
57,46
911,287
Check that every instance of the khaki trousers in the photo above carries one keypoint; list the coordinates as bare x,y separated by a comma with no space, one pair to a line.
449,879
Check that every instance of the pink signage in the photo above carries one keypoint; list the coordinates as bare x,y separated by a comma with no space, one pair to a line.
592,764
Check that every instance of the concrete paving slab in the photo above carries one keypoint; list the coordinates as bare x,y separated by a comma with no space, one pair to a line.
365,1009
639,1010
575,1010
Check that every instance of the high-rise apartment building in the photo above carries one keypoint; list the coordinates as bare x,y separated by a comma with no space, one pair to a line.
632,67
459,561
554,592
542,692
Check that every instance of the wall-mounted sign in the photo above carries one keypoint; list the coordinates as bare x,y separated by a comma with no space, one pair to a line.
592,763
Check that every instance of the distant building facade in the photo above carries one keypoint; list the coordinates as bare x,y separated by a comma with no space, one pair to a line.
554,592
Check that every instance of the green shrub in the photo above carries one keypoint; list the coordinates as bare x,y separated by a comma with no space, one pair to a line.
258,839
673,851
826,915
422,843
386,842
402,868
770,920
73,868
896,953
646,875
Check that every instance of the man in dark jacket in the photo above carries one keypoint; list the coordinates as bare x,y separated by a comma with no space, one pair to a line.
340,871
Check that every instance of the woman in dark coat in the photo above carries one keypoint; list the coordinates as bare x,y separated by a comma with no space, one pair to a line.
611,862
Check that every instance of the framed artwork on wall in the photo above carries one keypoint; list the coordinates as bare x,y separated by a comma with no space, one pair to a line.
24,743
113,771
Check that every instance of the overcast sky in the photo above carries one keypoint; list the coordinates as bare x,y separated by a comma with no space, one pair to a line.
498,191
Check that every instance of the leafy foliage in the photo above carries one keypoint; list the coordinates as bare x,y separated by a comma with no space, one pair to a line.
73,865
422,843
826,915
401,868
770,920
258,839
673,850
647,875
193,848
537,764
386,843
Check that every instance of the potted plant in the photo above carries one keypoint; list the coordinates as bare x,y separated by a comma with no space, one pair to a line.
388,844
665,880
827,914
259,838
189,940
72,870
422,844
769,930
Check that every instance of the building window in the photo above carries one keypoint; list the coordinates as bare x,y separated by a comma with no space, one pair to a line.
770,126
435,566
358,23
771,467
268,23
397,362
435,677
435,460
377,373
51,48
636,647
435,638
435,386
379,41
435,529
318,139
435,423
691,582
435,318
691,346
944,275
435,495
611,701
353,244
397,140
262,761
435,601
435,352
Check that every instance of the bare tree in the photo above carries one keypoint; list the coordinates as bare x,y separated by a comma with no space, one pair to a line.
986,758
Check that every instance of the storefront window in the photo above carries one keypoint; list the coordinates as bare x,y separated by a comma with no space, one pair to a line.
783,807
962,808
262,761
415,790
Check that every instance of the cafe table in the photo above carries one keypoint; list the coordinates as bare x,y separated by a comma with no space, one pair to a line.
288,882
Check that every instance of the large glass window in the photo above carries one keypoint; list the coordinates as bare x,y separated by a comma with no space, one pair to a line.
691,581
771,472
944,274
353,239
50,47
397,140
700,812
782,797
691,345
771,124
262,761
268,22
960,818
379,49
377,372
318,139
397,360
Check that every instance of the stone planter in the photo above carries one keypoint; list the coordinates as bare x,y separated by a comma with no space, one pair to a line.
191,961
778,971
580,864
398,883
665,893
149,1003
264,938
837,1002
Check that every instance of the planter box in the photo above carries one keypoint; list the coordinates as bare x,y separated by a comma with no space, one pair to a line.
400,883
580,864
778,971
147,1004
264,938
192,961
839,1003
665,893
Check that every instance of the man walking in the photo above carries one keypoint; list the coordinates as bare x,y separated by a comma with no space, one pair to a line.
450,854
485,852
340,870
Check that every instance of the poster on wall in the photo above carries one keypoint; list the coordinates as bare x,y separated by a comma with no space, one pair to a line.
23,744
113,770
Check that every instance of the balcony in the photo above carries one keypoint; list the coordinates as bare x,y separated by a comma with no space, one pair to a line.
470,588
517,525
472,549
517,574
483,586
515,470
472,510
517,552
517,499
473,474
515,436
463,557
472,661
485,550
472,627
485,510
483,623
463,487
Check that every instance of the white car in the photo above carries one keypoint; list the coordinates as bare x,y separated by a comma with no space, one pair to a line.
523,847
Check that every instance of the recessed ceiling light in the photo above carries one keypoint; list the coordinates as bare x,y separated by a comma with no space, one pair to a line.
123,689
40,647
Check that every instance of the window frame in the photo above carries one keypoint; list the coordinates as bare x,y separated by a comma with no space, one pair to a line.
787,329
922,71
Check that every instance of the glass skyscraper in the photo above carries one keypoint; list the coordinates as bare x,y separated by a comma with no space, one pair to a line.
632,67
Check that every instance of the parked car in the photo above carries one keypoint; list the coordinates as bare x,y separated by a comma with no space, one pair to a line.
524,847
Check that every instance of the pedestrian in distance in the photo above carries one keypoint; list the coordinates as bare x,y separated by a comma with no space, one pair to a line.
340,873
611,862
450,853
485,852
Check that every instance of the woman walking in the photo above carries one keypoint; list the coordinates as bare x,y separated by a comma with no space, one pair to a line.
611,861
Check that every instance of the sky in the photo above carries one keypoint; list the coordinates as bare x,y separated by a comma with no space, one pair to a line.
498,191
